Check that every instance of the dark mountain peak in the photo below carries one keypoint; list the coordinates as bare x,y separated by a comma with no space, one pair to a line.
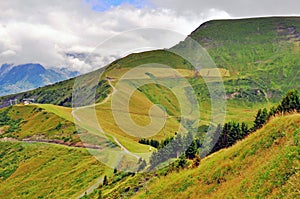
28,69
31,66
18,78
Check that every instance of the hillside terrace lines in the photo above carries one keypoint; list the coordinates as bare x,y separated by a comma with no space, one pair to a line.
56,142
166,73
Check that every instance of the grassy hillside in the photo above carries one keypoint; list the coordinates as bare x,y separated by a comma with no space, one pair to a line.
108,125
35,123
260,53
32,170
50,123
265,164
258,60
61,93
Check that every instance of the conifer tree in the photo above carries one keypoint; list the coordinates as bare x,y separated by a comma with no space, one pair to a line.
192,150
105,181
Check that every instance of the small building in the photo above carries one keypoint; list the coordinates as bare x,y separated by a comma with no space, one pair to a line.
27,101
13,102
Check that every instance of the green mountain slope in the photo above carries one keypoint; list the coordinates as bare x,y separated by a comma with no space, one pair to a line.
61,93
264,165
260,53
35,170
35,123
258,59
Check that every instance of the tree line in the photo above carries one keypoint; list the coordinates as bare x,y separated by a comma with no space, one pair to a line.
180,145
188,146
156,143
289,104
233,131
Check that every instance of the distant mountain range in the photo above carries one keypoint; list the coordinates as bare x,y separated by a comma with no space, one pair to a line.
19,78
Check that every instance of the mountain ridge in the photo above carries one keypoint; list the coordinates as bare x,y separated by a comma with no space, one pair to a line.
262,50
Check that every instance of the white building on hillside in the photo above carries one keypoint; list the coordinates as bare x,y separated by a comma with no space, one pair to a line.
27,101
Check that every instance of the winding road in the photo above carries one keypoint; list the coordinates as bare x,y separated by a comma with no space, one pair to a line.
103,102
98,181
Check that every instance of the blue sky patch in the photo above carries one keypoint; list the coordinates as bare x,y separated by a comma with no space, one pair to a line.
103,5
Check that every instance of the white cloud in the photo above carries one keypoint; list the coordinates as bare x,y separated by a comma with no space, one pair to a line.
216,14
236,8
46,31
7,53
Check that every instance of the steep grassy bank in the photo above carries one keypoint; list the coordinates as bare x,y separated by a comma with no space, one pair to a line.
34,123
34,170
265,164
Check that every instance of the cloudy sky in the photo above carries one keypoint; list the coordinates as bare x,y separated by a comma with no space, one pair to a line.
84,35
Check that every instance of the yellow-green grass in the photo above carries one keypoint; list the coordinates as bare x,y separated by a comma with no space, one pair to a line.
244,112
240,111
236,110
163,57
61,111
105,118
35,170
159,94
37,123
140,73
163,73
139,111
265,164
106,123
139,108
140,104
